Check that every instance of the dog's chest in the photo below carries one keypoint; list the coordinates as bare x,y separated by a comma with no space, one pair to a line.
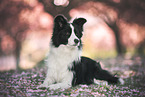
62,57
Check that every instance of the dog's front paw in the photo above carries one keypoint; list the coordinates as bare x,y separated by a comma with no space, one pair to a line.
43,86
59,86
54,86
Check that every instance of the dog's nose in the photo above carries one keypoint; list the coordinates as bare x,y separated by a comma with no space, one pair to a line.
76,41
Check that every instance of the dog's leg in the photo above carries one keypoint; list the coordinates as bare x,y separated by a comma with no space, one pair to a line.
60,86
48,81
98,82
65,83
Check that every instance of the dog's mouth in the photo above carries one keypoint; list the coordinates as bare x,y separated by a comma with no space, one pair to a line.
74,45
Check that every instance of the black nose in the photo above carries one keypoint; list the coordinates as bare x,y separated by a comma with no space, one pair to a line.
76,41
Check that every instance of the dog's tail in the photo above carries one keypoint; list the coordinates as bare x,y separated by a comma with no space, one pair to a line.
101,74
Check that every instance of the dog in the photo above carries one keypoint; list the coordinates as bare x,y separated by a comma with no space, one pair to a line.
66,66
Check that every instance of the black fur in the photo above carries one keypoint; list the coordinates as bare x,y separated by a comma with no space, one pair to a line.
61,25
87,69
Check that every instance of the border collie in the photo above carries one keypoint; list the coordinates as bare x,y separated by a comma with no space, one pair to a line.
66,66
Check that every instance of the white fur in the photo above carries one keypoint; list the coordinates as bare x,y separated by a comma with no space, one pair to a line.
59,60
72,37
98,82
121,81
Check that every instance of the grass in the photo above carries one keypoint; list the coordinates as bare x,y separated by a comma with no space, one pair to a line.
24,83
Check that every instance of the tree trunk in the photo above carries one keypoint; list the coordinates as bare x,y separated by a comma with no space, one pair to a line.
119,47
1,46
17,54
141,48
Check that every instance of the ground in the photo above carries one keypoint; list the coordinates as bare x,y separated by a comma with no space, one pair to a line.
131,69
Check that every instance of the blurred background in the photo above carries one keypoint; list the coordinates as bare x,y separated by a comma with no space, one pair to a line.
114,28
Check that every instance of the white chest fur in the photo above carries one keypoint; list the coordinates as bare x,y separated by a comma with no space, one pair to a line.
59,60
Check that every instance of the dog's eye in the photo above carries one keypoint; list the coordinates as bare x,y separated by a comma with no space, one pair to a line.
78,34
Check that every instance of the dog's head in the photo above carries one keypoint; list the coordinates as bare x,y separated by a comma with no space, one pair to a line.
65,33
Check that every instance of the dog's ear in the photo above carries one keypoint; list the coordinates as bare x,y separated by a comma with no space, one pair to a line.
80,21
60,21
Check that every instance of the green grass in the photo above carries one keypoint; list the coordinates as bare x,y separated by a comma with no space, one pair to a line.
24,83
